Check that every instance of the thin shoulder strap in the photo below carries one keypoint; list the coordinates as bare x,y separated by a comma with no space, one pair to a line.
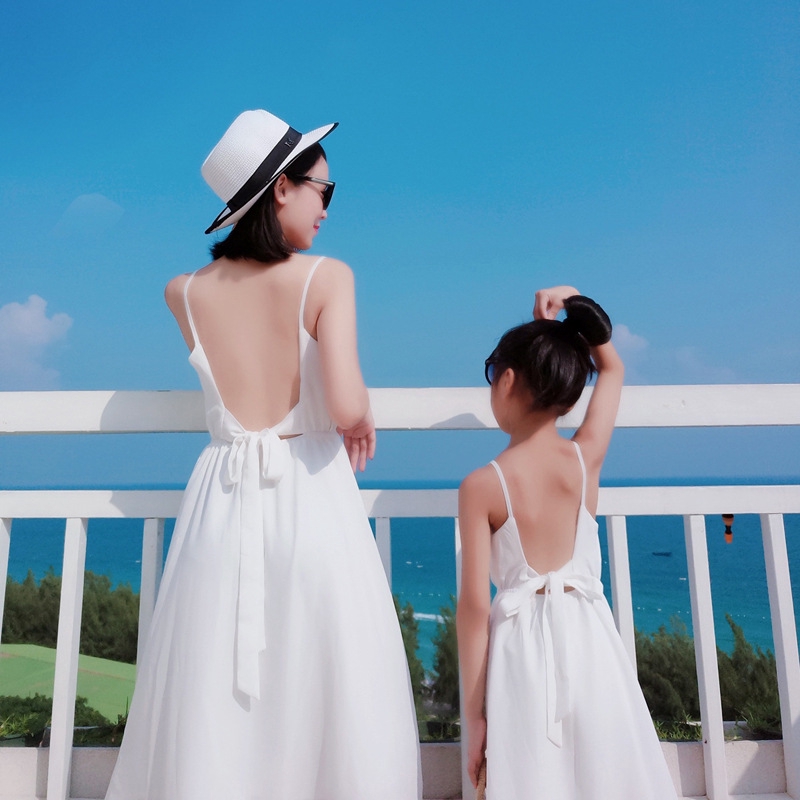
503,485
188,309
583,471
305,289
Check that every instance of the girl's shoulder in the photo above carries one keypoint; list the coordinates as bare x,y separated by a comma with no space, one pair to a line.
479,479
483,487
481,494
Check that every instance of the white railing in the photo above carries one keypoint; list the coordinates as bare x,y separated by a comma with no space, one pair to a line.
715,774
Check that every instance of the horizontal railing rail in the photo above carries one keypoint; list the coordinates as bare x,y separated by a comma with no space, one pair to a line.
403,409
431,409
634,501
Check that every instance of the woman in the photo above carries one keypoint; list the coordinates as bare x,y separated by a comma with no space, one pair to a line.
275,665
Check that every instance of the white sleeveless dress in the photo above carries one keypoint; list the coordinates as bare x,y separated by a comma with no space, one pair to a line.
565,715
275,667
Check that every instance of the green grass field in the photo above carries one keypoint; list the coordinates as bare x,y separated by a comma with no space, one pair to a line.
27,669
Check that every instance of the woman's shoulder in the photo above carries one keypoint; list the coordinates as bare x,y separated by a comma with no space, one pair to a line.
328,268
175,288
212,266
173,292
332,279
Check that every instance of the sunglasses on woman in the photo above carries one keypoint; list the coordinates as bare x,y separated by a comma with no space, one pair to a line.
327,192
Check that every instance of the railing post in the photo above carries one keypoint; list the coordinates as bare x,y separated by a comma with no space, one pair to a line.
784,634
5,548
705,651
383,538
457,534
620,571
152,566
66,675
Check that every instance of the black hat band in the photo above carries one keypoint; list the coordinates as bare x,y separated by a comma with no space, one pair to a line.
264,173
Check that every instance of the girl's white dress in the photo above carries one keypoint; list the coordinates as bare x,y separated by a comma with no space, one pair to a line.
275,666
566,718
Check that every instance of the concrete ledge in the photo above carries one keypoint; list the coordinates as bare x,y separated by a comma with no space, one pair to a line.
441,770
756,770
23,771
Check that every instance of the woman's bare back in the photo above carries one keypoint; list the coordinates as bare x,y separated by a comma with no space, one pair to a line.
246,317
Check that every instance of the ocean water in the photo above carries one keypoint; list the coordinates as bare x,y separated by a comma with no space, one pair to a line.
423,573
423,568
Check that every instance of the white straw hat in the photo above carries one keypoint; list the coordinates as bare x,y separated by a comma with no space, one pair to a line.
253,152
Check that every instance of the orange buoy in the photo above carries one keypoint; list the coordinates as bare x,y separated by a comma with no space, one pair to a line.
727,519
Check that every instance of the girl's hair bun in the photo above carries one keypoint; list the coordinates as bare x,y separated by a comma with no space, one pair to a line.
588,319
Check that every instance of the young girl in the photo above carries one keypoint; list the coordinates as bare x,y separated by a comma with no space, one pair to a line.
550,696
275,665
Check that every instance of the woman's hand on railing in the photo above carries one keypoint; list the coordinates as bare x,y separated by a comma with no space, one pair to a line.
550,301
359,441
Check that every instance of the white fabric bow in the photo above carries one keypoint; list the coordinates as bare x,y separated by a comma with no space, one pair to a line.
265,447
554,633
253,459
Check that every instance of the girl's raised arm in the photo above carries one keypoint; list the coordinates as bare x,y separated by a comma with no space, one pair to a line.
550,301
594,434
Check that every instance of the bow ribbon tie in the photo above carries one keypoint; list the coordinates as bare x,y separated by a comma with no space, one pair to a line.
253,459
554,634
263,452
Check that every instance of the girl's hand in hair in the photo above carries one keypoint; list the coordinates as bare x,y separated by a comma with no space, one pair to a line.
550,301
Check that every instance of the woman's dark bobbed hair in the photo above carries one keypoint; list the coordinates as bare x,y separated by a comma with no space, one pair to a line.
258,234
553,358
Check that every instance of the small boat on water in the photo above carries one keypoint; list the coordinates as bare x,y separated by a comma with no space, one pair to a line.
662,553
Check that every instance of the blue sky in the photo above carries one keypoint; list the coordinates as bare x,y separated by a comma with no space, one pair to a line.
644,152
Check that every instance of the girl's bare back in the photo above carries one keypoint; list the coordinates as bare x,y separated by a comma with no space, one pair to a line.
544,483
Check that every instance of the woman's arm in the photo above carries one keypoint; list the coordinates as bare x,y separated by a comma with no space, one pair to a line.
345,393
472,614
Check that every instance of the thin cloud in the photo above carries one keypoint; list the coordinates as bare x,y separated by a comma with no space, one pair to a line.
645,364
634,351
628,342
88,214
695,369
26,335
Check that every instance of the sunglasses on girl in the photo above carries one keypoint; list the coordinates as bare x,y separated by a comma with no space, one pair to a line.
490,369
327,192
